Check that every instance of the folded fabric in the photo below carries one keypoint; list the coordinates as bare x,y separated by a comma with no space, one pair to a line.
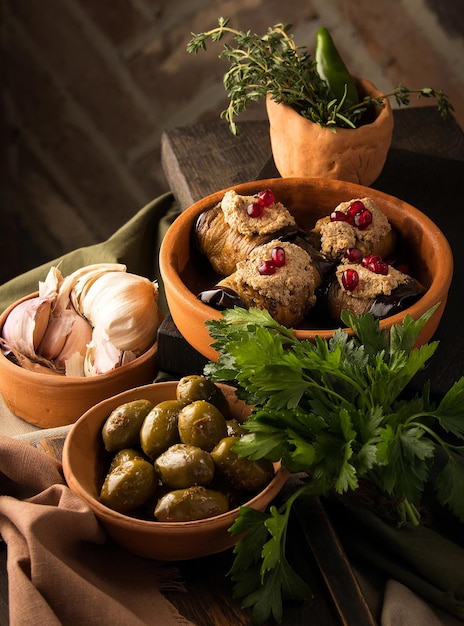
402,607
420,558
61,568
136,244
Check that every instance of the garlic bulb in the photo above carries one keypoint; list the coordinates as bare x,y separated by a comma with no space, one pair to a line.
124,307
94,320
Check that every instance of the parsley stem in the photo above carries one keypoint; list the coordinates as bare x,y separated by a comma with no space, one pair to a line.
409,512
326,387
430,431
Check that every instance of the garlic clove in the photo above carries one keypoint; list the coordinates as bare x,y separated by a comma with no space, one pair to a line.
67,332
81,280
26,324
54,338
76,342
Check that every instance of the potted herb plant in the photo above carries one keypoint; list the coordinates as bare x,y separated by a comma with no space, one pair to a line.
324,122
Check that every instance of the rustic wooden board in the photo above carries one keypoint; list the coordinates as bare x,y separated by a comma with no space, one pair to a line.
199,160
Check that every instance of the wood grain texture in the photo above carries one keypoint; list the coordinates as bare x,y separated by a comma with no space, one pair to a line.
202,159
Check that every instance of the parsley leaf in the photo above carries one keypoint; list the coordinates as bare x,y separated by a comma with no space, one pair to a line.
334,410
262,575
448,484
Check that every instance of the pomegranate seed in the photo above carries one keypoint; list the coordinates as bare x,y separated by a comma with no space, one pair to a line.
353,254
266,197
278,256
339,216
255,210
266,268
356,207
370,258
350,279
363,219
378,267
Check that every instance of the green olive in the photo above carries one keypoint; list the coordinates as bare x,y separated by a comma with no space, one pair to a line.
242,473
126,454
129,486
183,465
159,429
196,387
193,503
201,424
121,429
234,428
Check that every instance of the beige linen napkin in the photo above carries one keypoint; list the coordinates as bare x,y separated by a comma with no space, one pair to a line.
61,570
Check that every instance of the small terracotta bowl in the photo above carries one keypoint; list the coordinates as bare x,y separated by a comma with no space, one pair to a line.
185,272
50,400
84,468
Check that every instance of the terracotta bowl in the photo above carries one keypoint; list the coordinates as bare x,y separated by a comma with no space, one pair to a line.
84,467
185,273
49,400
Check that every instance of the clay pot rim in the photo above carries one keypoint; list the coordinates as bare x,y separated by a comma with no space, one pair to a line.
367,88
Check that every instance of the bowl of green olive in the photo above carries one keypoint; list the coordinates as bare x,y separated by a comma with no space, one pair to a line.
156,465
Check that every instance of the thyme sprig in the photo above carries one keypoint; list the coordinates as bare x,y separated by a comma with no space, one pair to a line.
273,64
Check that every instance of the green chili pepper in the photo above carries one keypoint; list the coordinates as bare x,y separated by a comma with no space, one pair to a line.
332,69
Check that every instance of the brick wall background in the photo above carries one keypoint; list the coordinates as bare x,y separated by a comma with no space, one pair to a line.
88,86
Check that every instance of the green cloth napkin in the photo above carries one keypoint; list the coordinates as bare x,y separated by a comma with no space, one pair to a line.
136,244
421,558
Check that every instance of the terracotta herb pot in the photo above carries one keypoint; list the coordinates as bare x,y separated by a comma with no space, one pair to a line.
302,148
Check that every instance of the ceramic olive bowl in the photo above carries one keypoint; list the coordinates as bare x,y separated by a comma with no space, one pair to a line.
84,469
185,273
50,400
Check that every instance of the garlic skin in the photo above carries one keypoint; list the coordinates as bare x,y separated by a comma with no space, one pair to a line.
98,318
101,355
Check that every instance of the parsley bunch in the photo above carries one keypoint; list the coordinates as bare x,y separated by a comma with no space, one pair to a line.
273,64
334,409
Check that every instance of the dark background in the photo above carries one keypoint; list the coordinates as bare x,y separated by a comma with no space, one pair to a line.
87,89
